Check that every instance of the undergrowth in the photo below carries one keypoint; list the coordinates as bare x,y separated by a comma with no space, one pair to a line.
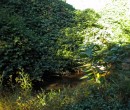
89,95
106,85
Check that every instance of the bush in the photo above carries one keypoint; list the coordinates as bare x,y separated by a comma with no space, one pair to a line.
39,36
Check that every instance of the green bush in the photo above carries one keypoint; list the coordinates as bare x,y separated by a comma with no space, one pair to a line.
39,36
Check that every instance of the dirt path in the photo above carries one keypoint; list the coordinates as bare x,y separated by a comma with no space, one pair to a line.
65,81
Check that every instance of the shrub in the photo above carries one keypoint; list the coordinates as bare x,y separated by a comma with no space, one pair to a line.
40,35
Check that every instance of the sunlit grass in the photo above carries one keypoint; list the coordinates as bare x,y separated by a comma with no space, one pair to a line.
53,100
87,94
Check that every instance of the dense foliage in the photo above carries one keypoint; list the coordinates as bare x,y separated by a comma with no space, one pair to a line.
40,36
107,48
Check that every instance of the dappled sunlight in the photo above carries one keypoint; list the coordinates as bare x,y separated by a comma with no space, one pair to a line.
55,56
